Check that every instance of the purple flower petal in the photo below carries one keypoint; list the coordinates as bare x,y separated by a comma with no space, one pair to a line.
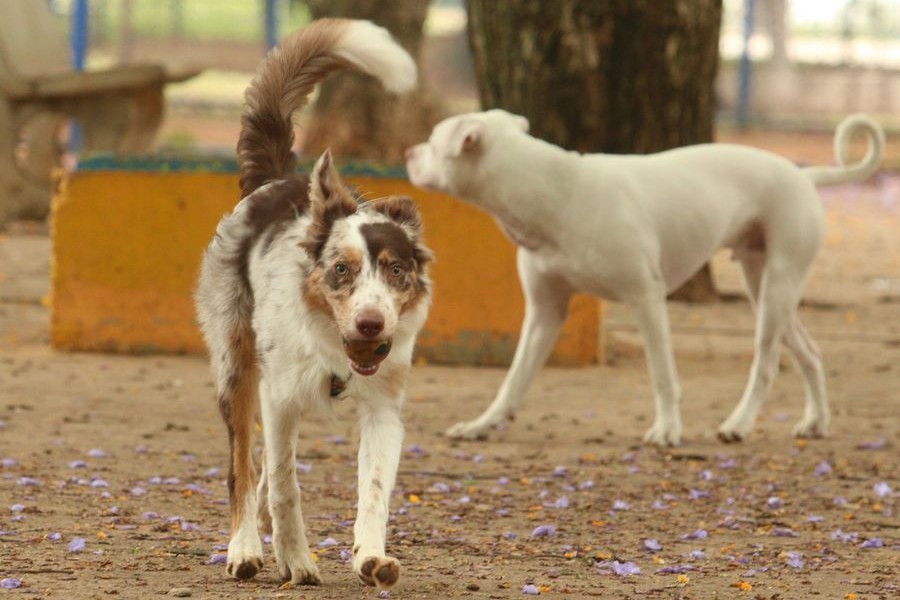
882,489
193,487
97,453
188,526
795,560
706,475
28,481
138,491
77,464
774,502
530,590
784,532
304,467
560,471
697,494
873,543
842,536
440,487
150,515
384,594
561,502
652,545
416,450
503,481
10,583
619,568
586,485
878,444
217,559
699,534
17,508
728,463
823,469
9,463
543,531
814,519
508,535
620,505
328,543
55,536
698,554
346,555
213,472
99,483
77,544
675,569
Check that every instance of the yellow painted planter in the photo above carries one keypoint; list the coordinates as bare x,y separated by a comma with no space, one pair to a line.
128,237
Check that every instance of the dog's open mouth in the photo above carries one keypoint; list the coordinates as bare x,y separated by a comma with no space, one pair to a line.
366,355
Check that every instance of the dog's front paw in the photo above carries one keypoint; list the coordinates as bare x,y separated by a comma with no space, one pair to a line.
298,568
664,433
812,426
378,571
468,430
734,430
244,561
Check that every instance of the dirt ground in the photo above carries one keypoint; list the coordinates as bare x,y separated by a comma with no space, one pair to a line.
127,453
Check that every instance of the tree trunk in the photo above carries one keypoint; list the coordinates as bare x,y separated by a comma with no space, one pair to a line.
353,115
615,76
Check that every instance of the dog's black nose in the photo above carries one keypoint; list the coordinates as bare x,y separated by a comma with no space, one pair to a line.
369,323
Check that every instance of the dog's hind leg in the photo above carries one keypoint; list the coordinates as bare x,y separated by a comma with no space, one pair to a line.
546,307
653,321
237,380
380,442
777,294
281,422
804,351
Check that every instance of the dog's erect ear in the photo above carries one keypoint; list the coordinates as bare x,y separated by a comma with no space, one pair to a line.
467,137
401,210
330,201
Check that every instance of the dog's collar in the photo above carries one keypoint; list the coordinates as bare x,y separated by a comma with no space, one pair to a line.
338,385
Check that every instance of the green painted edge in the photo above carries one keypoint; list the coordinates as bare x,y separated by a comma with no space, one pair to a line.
219,164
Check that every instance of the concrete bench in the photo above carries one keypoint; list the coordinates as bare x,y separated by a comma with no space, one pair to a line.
128,235
119,109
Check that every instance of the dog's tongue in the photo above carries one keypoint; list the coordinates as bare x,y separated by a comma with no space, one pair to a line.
365,370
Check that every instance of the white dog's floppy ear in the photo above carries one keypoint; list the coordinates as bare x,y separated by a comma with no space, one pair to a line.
522,123
467,137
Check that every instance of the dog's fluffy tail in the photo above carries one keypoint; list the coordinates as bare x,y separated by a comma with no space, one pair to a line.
861,170
288,75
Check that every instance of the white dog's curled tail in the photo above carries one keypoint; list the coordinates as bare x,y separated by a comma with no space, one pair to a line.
823,175
287,77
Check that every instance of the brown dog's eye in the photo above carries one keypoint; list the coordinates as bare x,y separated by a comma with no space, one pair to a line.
341,269
397,270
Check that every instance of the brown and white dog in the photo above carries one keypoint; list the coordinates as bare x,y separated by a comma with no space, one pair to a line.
306,294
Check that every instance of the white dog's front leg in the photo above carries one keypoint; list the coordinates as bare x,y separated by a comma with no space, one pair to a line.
653,320
280,418
546,307
381,438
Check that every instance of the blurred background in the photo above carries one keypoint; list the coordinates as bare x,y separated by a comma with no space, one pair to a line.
811,62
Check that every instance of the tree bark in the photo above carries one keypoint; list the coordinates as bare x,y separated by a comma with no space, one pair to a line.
614,76
353,115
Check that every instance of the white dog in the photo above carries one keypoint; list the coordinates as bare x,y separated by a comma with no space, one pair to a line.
634,228
306,296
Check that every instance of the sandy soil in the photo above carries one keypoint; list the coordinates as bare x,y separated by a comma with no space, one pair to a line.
128,454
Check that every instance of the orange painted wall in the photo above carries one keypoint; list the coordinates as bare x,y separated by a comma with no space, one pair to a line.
127,247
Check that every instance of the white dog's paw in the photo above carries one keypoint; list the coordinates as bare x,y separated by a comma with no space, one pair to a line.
377,571
812,426
664,433
245,557
297,567
469,430
735,429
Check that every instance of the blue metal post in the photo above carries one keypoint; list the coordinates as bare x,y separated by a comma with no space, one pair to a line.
79,37
743,103
271,16
79,41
